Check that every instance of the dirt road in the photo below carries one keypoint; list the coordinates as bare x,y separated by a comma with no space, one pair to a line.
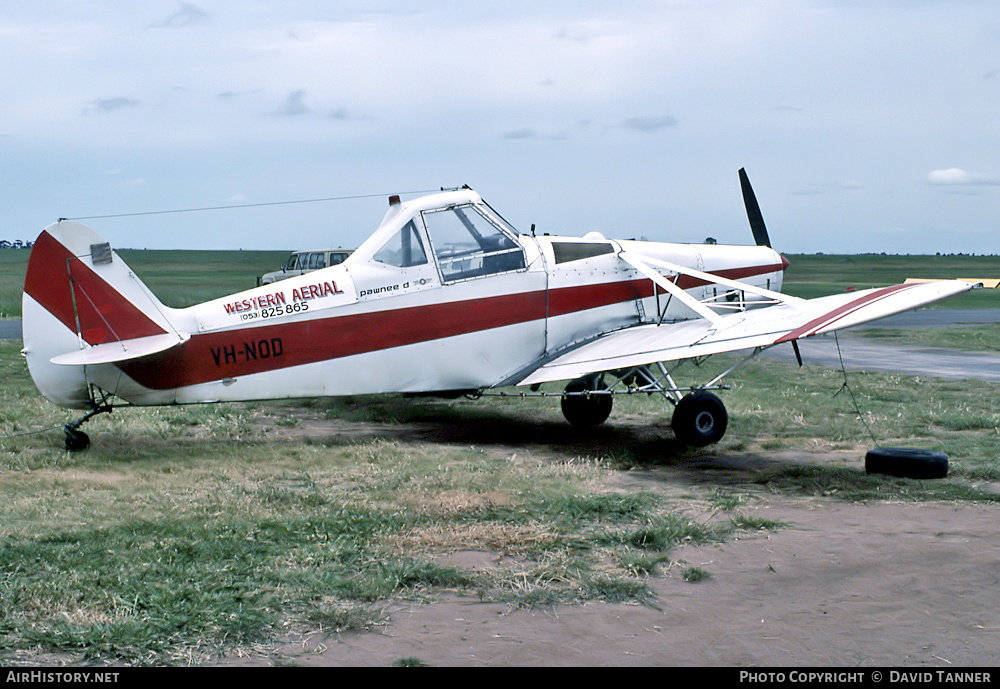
844,585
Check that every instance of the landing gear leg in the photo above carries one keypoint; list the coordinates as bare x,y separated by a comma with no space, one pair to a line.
76,439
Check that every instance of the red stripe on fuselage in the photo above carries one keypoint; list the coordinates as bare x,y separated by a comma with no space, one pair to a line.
689,282
228,354
232,353
55,277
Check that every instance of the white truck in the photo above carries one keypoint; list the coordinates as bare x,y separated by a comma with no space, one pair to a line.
304,262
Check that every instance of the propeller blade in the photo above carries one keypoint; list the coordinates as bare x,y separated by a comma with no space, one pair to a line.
753,212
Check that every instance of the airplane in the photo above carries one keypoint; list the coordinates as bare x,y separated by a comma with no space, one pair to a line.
444,298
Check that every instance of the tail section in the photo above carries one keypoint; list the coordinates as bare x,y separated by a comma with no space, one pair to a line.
81,305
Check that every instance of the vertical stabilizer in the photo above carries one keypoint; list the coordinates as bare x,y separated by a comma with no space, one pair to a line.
79,294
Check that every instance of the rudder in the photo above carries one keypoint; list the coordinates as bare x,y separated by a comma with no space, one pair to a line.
79,294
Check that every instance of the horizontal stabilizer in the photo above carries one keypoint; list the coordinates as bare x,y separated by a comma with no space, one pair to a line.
123,350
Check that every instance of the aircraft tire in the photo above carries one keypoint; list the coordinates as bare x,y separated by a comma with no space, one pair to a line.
700,419
906,462
583,411
77,440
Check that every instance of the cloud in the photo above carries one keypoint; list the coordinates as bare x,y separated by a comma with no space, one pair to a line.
952,175
958,176
110,104
650,124
346,115
293,104
519,134
529,134
187,15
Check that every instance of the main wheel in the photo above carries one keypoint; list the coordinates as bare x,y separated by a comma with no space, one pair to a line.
586,411
700,419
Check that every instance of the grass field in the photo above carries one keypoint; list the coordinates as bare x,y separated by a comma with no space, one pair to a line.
178,278
816,275
981,338
182,278
188,532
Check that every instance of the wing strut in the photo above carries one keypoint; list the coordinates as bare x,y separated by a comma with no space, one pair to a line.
641,263
632,259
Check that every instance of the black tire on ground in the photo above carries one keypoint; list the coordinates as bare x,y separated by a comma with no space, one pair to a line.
700,419
76,440
586,411
906,462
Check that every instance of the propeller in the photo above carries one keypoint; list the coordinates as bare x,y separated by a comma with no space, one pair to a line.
753,212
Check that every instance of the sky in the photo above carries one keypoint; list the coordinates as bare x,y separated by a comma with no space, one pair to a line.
865,126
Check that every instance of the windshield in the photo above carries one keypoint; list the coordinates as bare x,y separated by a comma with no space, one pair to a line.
467,244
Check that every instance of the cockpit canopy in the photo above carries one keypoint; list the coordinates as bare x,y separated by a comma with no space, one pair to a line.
463,235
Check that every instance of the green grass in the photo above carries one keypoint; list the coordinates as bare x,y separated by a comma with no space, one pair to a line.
977,338
181,278
695,574
178,278
186,532
816,275
13,264
185,278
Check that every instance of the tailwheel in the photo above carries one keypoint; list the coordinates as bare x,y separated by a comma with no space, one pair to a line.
76,440
584,410
700,419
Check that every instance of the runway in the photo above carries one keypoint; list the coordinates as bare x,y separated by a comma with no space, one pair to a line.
10,330
862,354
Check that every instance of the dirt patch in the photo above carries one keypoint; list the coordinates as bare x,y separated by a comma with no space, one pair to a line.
842,585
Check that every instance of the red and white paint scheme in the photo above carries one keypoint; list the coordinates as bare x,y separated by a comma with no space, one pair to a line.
444,298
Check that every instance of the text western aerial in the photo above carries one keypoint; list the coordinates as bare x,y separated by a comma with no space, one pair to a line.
315,291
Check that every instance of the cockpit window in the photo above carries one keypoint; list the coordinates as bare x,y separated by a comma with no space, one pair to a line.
404,249
466,244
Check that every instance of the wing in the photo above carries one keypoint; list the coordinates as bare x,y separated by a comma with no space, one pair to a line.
789,319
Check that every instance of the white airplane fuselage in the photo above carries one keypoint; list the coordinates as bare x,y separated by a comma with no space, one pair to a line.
436,321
